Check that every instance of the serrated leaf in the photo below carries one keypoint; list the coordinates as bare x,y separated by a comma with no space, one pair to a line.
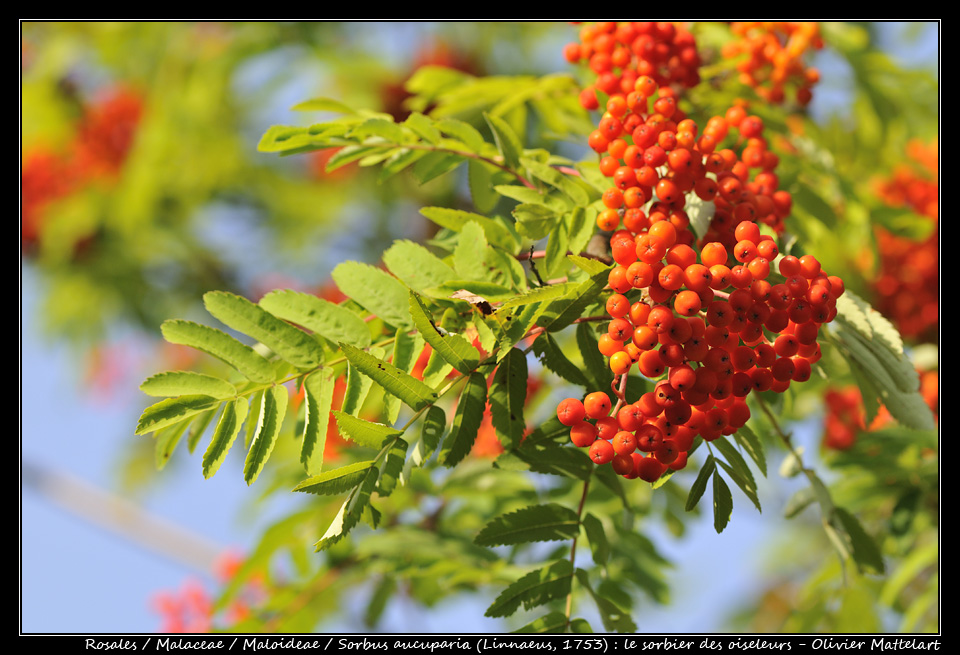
292,345
376,291
558,180
508,394
406,350
336,481
380,127
453,348
347,155
166,441
599,545
533,589
172,411
508,143
540,294
424,127
364,433
358,386
466,421
401,384
551,355
535,221
392,467
228,427
863,548
470,255
462,131
550,522
281,138
738,470
317,399
272,411
434,424
523,194
350,512
722,503
329,320
455,219
568,462
187,383
221,345
561,312
754,447
700,484
416,266
551,623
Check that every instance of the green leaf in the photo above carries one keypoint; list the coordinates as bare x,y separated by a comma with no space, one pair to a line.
599,545
350,512
364,433
799,501
863,548
480,176
470,255
563,311
173,410
424,128
392,468
551,623
738,470
281,138
552,356
700,484
329,320
272,411
508,394
434,424
754,447
406,350
166,442
533,589
401,384
434,164
466,421
376,291
323,104
535,221
292,345
358,386
568,462
722,503
336,481
317,399
228,427
550,522
187,383
614,619
416,266
540,294
453,348
558,180
508,143
380,127
464,132
455,219
221,345
197,427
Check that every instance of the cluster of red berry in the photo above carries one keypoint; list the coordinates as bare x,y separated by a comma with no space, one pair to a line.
700,317
652,152
773,57
102,140
908,285
621,53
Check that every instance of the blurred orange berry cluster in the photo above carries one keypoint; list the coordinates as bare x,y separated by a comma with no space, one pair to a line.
102,139
773,57
908,283
191,608
846,415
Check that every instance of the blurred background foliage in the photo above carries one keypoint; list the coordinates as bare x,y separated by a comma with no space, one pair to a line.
141,189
